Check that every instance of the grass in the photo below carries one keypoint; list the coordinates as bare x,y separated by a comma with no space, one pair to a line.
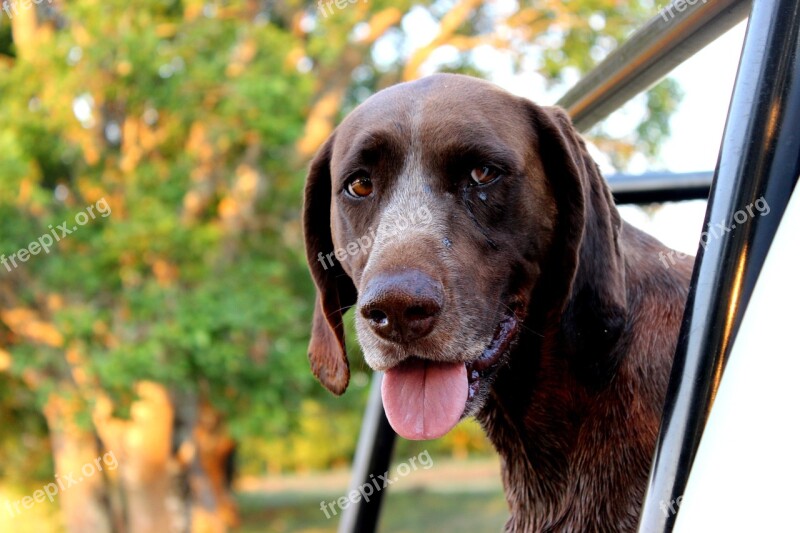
463,496
450,495
412,511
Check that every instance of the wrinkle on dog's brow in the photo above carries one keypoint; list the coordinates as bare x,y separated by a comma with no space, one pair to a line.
368,145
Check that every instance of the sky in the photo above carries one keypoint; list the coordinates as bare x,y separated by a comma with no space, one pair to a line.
697,126
696,133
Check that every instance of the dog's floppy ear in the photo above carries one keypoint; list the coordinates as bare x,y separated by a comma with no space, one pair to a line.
589,258
335,291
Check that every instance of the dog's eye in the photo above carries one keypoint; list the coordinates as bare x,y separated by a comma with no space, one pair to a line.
359,186
484,175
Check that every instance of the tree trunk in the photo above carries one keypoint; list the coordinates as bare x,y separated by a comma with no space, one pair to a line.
173,456
214,509
83,498
149,475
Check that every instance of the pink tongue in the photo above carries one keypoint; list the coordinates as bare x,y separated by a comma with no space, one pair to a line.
424,399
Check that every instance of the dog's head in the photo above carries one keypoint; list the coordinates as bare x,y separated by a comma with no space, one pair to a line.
436,208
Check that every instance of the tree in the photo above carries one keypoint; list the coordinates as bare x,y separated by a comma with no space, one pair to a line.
171,324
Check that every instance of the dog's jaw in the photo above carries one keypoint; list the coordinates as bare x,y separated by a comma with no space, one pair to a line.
482,370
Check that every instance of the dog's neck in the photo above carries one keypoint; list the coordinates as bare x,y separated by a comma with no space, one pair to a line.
565,447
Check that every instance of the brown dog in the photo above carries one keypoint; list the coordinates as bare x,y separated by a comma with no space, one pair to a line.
492,276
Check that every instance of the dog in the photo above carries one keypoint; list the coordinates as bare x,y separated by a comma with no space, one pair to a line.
523,299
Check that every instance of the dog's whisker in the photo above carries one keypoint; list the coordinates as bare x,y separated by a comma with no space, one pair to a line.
522,324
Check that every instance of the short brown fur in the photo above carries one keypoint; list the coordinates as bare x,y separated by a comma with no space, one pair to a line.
574,409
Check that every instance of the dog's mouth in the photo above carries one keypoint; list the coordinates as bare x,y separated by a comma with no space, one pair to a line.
493,357
425,399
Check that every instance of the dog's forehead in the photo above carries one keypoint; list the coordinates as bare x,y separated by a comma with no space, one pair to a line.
439,109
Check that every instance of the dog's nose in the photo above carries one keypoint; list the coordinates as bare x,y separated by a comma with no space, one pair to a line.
402,307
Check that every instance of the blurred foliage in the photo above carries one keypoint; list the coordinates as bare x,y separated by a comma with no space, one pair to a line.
20,434
194,121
